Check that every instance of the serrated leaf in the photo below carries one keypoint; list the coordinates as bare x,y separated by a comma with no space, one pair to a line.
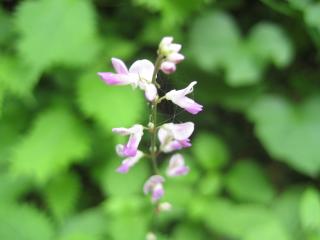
209,151
213,38
288,131
310,210
270,43
56,140
60,31
62,194
110,106
24,223
246,181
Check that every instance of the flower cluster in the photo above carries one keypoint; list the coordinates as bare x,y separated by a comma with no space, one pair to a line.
165,138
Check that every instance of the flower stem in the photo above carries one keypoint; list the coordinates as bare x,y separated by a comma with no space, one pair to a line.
153,118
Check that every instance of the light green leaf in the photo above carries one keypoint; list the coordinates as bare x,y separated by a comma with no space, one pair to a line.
56,140
24,223
246,181
125,185
62,194
88,225
209,151
189,232
312,15
270,43
210,184
214,37
60,31
310,210
110,106
290,132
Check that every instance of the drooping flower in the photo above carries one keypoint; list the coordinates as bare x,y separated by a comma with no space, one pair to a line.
129,162
179,97
175,136
135,134
154,185
171,54
177,166
139,75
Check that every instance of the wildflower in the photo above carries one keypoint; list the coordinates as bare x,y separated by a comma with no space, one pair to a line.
129,162
171,54
179,97
154,185
177,166
164,207
139,75
129,149
151,236
175,136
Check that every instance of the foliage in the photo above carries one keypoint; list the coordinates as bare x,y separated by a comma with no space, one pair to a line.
255,160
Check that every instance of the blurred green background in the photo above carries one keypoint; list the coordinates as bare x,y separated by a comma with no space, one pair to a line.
256,148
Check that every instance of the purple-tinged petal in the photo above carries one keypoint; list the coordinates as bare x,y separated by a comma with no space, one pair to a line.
157,192
150,92
151,183
189,105
110,78
175,57
122,131
129,162
177,166
119,66
168,67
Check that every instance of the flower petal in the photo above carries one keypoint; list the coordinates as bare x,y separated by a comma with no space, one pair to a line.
143,68
150,91
119,66
168,67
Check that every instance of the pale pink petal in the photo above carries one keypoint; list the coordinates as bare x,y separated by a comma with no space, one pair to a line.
143,68
151,183
182,131
150,91
122,131
189,105
175,57
157,192
168,67
119,66
166,40
116,79
175,47
177,166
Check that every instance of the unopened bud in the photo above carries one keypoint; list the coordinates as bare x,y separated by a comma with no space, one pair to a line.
165,207
151,236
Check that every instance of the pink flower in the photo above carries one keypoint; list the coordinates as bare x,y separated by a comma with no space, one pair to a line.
129,149
129,162
177,166
179,97
171,54
139,75
154,185
175,136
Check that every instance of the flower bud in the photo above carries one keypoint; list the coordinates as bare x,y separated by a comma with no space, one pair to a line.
168,67
151,236
165,207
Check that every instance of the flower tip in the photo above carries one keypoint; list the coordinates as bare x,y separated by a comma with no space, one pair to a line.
122,169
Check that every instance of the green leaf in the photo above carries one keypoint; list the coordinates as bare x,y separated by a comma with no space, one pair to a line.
110,106
242,68
290,132
125,185
241,221
312,15
87,225
214,36
310,210
246,181
270,43
17,77
210,184
210,151
24,223
62,194
188,232
267,231
61,31
56,140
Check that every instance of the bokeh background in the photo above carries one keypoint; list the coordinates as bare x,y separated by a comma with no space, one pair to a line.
255,158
